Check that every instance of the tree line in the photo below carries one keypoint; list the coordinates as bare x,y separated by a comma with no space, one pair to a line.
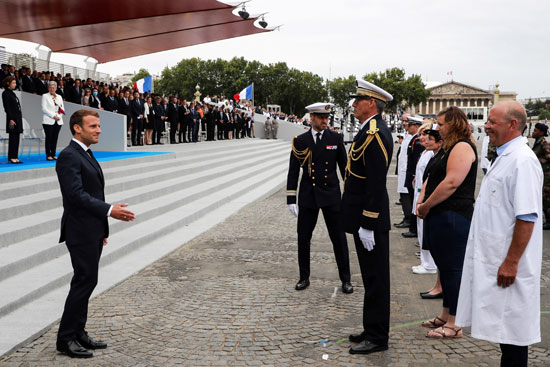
279,84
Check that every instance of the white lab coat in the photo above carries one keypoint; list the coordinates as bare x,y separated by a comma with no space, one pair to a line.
484,151
512,187
402,164
419,173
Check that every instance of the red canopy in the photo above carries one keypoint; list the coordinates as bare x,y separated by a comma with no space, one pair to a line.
109,30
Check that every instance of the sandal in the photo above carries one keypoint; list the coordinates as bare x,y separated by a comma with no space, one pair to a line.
435,323
440,333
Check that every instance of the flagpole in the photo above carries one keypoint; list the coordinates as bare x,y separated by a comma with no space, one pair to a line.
253,95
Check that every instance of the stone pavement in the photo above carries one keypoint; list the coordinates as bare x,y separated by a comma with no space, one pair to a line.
226,299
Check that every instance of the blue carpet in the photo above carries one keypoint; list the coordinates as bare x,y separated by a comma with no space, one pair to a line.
35,161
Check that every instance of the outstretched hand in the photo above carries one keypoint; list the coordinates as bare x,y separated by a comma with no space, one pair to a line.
118,212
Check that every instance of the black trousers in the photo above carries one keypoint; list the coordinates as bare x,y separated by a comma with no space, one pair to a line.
513,355
220,132
191,131
13,145
51,132
210,131
412,226
375,272
157,131
137,130
173,129
85,260
182,132
307,219
406,204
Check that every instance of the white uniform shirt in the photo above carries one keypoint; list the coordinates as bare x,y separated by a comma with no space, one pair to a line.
512,187
402,164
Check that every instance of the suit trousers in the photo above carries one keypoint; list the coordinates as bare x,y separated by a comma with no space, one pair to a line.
375,272
173,129
85,259
182,132
137,130
514,355
307,219
51,132
13,145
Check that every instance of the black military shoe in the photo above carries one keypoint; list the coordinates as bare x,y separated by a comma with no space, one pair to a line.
88,342
347,288
402,224
409,234
366,347
357,338
73,349
302,284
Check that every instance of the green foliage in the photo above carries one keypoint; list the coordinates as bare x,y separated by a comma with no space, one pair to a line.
544,114
341,88
142,73
537,107
273,84
406,92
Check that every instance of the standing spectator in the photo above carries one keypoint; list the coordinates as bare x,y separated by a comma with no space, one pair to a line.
210,121
74,93
26,81
447,205
52,119
401,177
94,100
252,125
149,119
274,127
137,111
60,89
500,288
267,127
183,117
173,117
193,123
14,118
111,104
158,126
41,84
542,150
220,121
86,97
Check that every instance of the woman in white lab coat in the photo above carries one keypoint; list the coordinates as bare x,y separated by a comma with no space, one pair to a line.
53,110
401,174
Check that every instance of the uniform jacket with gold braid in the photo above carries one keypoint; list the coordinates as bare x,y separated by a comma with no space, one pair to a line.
365,202
320,186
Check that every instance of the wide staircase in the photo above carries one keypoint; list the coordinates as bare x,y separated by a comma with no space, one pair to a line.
175,196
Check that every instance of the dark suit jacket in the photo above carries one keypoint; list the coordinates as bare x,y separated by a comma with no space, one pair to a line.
61,92
73,95
365,201
320,187
173,113
82,185
414,150
28,84
137,109
111,104
39,87
13,111
123,108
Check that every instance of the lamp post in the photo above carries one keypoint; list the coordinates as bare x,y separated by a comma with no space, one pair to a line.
197,93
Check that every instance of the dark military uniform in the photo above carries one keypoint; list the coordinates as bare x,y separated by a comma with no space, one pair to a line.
365,204
319,189
541,148
414,150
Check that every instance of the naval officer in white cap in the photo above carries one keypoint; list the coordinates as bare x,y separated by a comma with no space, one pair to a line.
318,152
366,213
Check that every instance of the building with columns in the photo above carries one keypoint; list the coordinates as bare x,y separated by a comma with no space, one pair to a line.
475,102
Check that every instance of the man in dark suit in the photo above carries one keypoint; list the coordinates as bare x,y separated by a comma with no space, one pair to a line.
173,117
61,89
183,117
137,109
41,84
414,150
366,213
28,84
111,102
75,92
318,152
84,228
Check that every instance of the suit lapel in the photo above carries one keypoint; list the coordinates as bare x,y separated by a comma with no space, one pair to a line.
92,161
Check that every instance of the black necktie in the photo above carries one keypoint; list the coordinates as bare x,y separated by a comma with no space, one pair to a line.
89,151
317,138
494,158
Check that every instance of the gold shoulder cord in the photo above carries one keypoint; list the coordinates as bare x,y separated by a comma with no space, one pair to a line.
356,154
302,156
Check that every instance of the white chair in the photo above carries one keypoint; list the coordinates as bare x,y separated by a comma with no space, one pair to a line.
28,138
4,139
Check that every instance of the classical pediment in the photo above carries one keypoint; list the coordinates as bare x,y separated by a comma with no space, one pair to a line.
456,88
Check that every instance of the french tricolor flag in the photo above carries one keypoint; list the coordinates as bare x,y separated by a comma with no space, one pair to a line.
246,93
144,85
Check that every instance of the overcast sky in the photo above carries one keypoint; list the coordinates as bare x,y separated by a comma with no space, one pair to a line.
482,42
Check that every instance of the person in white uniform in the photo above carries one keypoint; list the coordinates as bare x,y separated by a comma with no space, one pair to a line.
401,174
500,288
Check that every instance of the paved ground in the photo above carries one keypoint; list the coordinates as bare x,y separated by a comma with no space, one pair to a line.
226,298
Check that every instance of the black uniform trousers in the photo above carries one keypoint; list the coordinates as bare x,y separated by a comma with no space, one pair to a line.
137,131
514,355
182,132
51,132
85,261
375,271
406,204
410,198
307,219
173,130
220,131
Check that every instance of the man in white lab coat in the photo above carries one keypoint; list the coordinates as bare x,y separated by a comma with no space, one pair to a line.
401,174
500,289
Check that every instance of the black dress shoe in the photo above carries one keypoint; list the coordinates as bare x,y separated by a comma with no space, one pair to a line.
347,288
88,342
546,226
302,284
73,349
403,224
357,338
431,296
366,347
409,234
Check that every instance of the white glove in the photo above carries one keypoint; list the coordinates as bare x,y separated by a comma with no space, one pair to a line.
293,209
367,237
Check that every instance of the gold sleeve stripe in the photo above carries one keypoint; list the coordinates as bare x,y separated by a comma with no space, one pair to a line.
291,193
370,214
